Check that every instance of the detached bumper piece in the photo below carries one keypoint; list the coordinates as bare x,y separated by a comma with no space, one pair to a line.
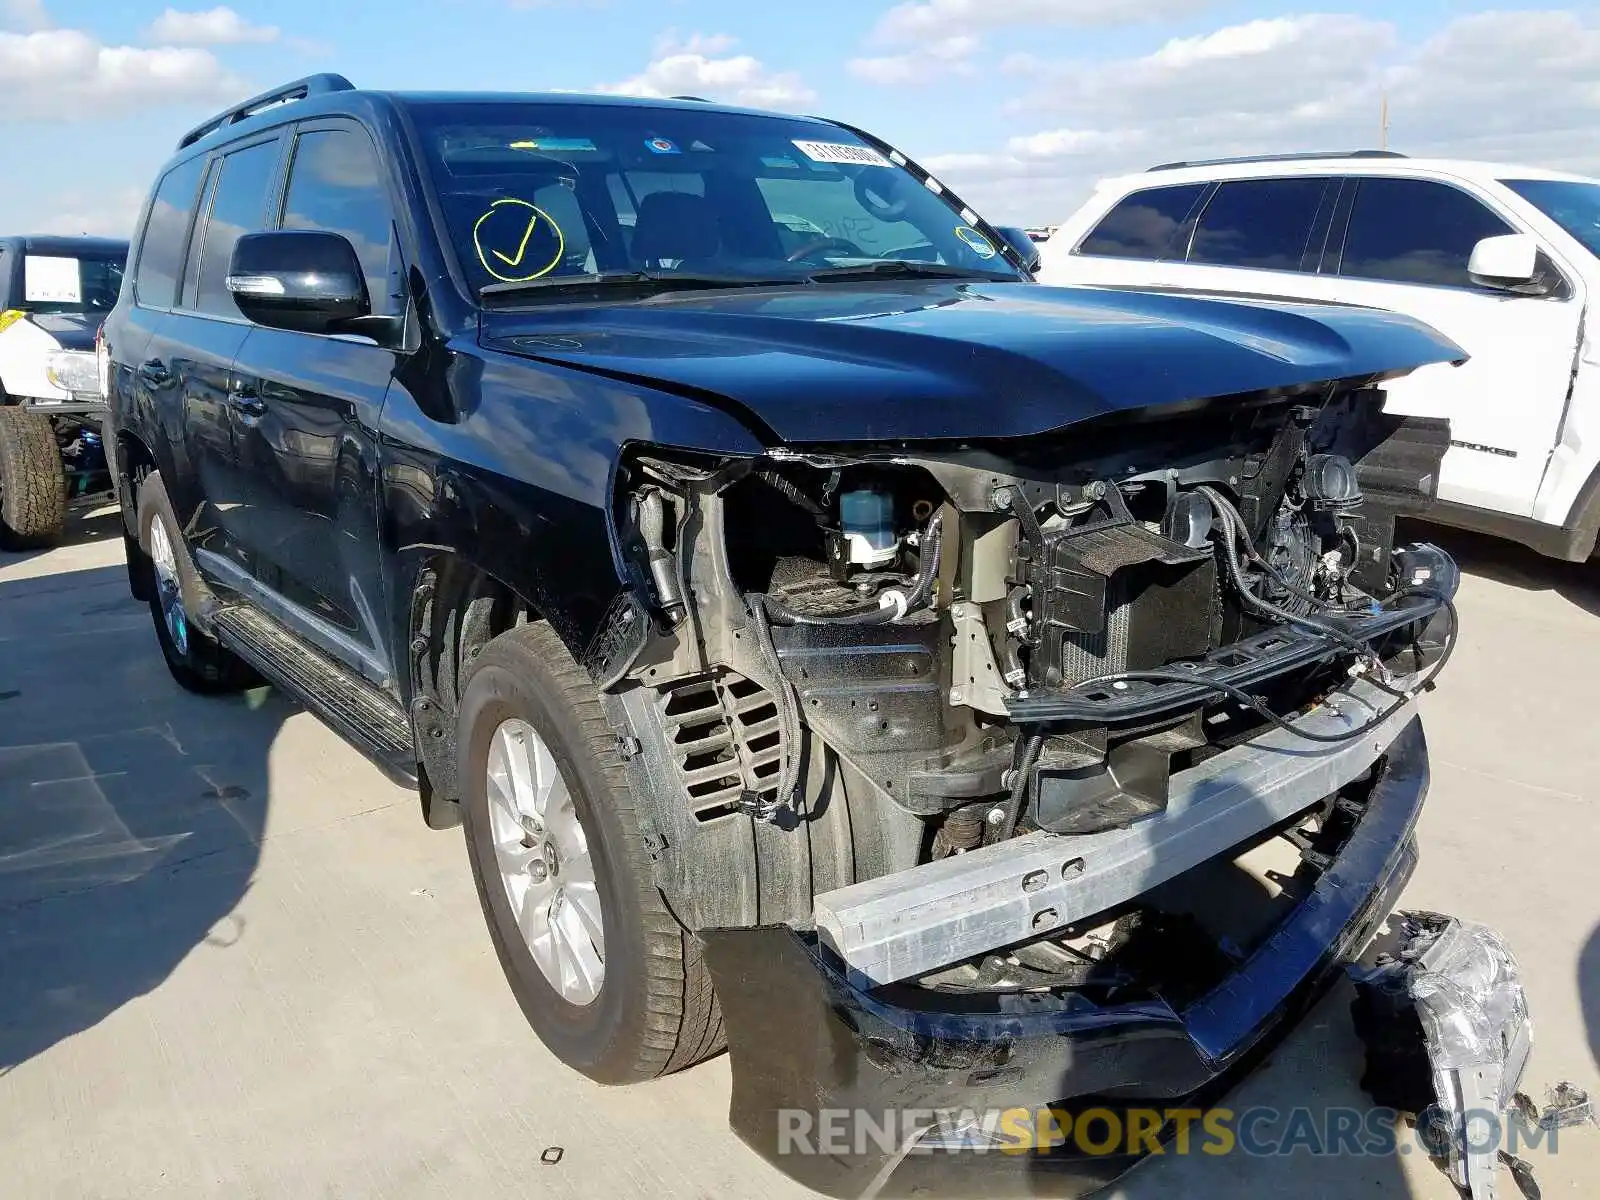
812,1040
1445,1021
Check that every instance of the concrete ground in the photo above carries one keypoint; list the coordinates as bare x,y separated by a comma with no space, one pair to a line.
234,963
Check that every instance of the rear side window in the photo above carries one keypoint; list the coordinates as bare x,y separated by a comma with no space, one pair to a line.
1415,231
239,206
336,184
166,234
1144,224
1261,223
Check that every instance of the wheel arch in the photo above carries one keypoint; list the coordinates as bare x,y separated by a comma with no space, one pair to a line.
133,462
456,608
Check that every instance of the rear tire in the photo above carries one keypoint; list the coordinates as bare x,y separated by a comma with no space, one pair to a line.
33,487
653,1009
197,660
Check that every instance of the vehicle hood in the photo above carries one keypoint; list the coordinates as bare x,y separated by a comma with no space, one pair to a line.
956,359
72,331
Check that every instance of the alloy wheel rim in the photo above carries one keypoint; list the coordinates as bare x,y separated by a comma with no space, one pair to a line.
168,594
542,853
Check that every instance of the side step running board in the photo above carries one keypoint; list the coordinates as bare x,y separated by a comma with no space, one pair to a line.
365,717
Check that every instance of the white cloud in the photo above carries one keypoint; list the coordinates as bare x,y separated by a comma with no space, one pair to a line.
924,64
100,213
934,20
1506,86
26,15
65,73
1032,154
213,27
701,66
1259,70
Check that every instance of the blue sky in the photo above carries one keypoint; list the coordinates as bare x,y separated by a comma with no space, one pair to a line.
1019,104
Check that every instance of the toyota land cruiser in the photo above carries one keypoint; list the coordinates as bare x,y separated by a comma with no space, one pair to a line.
837,646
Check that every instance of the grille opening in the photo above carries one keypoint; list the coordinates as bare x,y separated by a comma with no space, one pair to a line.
756,716
710,758
726,742
716,812
694,697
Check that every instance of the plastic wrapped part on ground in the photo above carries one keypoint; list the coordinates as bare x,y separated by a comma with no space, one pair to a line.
1445,1021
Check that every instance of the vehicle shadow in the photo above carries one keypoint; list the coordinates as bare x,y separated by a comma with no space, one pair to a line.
131,812
1508,563
84,527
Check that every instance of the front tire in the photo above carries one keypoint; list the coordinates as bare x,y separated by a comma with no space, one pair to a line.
609,980
33,487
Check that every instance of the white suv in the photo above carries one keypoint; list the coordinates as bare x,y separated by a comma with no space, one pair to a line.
1503,260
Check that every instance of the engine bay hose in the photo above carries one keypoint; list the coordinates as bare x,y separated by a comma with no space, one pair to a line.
893,605
788,712
1021,778
1233,530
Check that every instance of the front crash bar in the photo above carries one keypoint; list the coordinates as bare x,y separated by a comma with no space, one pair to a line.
908,924
1241,664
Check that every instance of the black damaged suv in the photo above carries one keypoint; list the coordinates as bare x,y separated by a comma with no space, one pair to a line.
837,646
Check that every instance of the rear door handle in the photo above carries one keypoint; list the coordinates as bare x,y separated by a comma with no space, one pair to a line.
153,371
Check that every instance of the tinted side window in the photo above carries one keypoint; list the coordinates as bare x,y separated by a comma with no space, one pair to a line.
336,184
166,234
1415,231
239,206
191,265
1143,223
1261,223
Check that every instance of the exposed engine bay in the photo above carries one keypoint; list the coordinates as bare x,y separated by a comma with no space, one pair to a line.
906,655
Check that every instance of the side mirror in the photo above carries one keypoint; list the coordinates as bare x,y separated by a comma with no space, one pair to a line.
307,280
1510,262
1024,245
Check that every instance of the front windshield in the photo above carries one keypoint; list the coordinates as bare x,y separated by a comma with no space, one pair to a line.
1572,205
62,284
537,192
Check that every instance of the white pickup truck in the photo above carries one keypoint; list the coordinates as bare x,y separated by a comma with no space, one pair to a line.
1500,259
54,294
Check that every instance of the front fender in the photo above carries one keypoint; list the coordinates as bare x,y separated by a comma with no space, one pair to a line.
519,485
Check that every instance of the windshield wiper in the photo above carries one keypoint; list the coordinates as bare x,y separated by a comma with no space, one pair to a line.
638,282
903,269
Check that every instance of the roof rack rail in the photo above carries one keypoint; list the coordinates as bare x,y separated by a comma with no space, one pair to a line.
696,99
1266,158
311,85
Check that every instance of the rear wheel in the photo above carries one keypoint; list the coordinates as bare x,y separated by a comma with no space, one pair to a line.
196,660
608,979
33,489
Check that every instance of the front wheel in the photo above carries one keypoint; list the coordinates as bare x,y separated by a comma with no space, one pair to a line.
610,982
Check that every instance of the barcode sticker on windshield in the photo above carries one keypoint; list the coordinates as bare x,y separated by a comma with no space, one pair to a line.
842,152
